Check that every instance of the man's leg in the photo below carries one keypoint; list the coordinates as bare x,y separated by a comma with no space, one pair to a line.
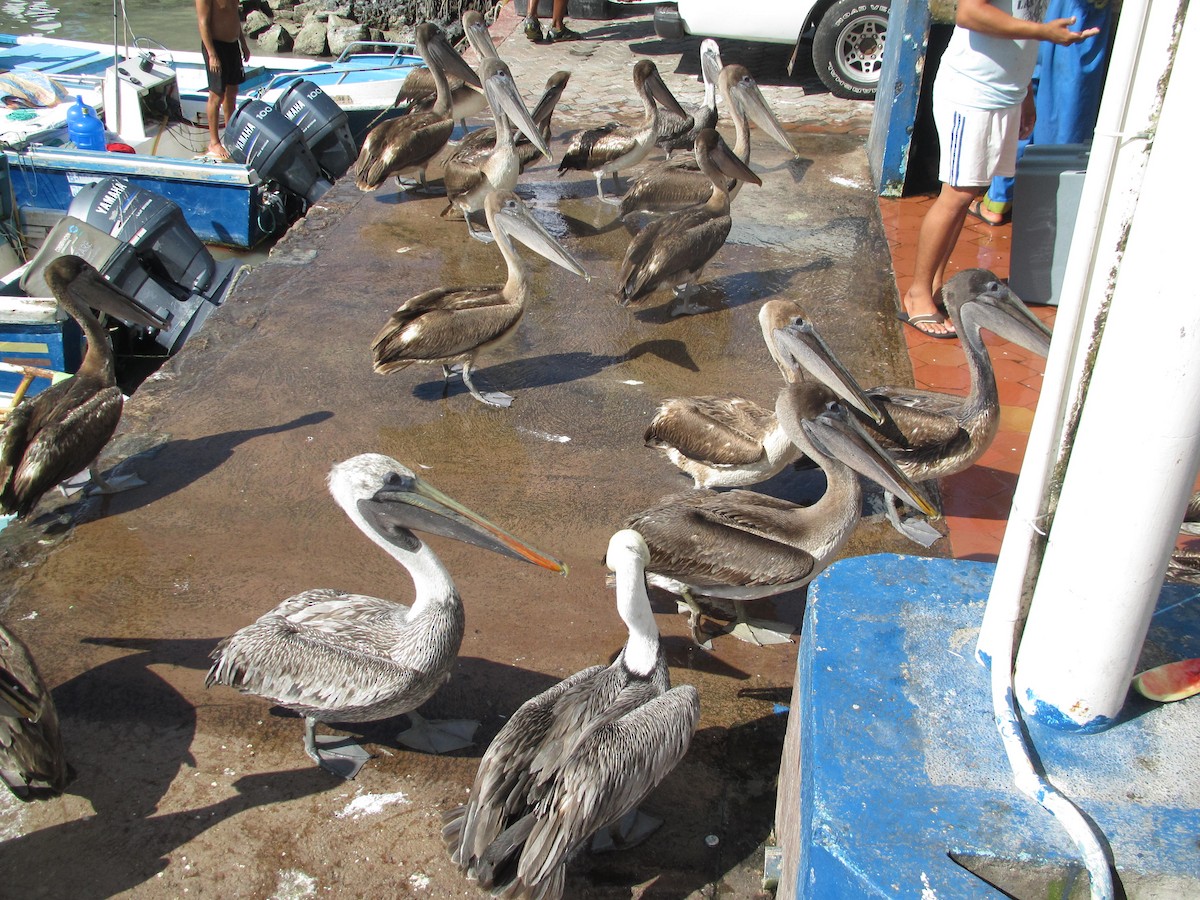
935,243
214,118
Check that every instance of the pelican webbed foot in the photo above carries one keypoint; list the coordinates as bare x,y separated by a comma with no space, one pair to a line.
444,736
114,484
917,529
625,833
700,637
498,399
480,234
760,632
337,754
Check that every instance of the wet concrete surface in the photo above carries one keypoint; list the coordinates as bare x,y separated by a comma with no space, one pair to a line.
183,791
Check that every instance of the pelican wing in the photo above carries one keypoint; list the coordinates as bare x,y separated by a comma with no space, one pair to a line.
31,751
670,187
721,538
592,148
681,242
610,772
726,431
917,420
400,144
442,324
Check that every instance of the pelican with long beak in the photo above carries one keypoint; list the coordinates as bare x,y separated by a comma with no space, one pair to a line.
734,442
577,758
408,143
672,251
470,177
610,148
453,325
478,145
674,133
742,546
58,433
32,761
419,90
680,183
337,657
931,434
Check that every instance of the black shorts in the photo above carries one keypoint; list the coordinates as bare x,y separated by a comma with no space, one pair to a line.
229,53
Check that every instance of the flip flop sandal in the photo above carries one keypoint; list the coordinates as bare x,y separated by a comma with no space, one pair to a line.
916,322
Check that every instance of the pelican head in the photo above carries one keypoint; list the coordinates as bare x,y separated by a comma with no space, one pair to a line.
73,279
648,82
440,56
507,214
624,546
504,99
710,62
797,348
739,86
393,502
478,36
978,297
712,152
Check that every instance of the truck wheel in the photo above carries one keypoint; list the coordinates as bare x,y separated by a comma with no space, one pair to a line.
848,47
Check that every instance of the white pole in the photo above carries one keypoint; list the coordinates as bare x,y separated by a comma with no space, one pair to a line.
1135,455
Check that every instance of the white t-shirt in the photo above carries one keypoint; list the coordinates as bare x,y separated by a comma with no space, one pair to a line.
983,72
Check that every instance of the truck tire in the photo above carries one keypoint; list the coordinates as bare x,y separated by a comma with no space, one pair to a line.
848,47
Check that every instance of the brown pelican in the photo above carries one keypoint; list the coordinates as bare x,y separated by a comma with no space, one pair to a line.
673,251
680,183
733,442
58,433
332,656
419,90
742,546
452,325
608,149
931,434
31,751
578,757
470,176
674,132
408,143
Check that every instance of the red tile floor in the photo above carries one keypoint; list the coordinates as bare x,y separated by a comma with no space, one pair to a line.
975,502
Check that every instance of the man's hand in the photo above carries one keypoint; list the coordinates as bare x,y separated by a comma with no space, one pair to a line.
1028,115
214,64
245,50
1058,31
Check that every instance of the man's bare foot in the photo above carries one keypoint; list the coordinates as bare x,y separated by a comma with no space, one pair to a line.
922,314
218,151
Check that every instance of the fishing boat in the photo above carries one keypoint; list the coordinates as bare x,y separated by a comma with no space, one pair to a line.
153,105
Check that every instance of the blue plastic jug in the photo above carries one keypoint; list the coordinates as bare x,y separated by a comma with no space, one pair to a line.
85,127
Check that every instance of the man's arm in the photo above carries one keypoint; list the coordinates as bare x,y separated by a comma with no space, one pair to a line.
204,12
981,16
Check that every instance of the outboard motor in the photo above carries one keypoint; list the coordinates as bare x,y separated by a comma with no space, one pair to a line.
323,124
261,137
153,225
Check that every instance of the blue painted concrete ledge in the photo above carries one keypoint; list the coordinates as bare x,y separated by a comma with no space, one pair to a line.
894,782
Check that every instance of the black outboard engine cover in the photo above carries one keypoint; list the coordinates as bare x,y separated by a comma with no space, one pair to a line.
323,124
154,225
261,137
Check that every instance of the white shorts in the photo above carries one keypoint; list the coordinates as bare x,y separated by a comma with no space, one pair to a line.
977,144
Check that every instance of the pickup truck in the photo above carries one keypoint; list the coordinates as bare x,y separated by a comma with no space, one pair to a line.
847,35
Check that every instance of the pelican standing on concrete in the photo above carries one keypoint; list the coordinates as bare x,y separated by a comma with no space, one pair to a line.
31,750
742,546
408,143
452,325
672,251
332,656
610,148
680,183
674,132
734,442
578,757
419,90
60,432
469,176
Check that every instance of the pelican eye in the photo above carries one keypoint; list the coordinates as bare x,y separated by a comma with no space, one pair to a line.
397,482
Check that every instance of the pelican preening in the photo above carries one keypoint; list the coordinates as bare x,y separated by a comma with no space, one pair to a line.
407,144
743,546
578,757
452,325
674,132
733,442
60,432
680,183
610,148
339,657
672,251
32,761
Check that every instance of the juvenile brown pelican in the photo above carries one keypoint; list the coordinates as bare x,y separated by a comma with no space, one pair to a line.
337,657
673,251
680,183
60,432
931,434
452,325
610,148
733,442
31,751
742,546
674,133
578,757
408,143
471,176
419,90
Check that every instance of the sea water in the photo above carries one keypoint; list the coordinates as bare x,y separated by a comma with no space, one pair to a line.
161,23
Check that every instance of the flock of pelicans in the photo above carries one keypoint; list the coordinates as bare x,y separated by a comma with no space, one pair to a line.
576,760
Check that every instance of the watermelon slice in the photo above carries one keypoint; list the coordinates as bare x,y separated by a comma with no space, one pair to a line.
1174,681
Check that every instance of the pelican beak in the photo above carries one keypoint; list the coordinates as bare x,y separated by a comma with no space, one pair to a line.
93,289
663,97
729,163
710,61
518,222
747,95
1002,312
504,99
409,503
843,438
480,39
15,700
800,346
446,57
